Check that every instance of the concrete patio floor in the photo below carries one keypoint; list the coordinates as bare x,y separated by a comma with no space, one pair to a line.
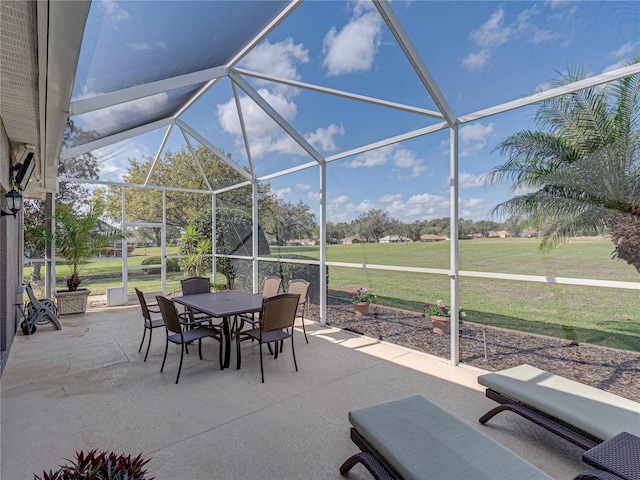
86,387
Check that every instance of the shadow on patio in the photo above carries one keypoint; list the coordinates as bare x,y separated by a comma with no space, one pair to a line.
86,386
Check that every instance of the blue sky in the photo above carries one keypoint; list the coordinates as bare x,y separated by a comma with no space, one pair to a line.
480,54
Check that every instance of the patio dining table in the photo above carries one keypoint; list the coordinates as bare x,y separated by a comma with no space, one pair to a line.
223,305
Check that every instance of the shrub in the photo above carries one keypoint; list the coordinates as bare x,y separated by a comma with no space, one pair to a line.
285,270
103,465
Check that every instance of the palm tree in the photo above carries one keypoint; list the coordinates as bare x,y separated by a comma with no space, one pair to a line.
581,172
77,237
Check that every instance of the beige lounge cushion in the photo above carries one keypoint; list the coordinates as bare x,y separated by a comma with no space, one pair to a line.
602,414
422,441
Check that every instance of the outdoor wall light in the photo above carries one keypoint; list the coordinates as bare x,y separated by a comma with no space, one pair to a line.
14,203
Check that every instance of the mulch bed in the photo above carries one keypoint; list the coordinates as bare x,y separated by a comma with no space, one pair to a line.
617,371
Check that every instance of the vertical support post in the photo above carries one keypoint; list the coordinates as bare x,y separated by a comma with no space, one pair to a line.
125,262
163,244
254,234
453,282
49,250
214,239
323,244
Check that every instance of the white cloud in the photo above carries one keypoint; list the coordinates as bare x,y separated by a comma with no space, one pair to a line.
282,193
340,200
279,59
626,51
471,202
323,138
469,180
401,158
264,134
314,196
493,32
303,186
474,137
353,48
373,158
113,11
496,31
388,198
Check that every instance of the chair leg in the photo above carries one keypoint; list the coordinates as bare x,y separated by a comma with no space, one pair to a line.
261,368
200,348
181,357
149,344
144,334
294,353
166,347
304,329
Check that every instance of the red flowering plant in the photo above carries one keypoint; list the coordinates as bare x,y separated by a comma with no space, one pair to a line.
362,295
439,309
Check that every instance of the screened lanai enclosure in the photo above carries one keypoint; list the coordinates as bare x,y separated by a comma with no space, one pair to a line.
352,144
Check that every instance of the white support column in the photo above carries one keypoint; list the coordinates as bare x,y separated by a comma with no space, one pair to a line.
453,284
50,250
214,239
125,264
163,243
254,235
323,244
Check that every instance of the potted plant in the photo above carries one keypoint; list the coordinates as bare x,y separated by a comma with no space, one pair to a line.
103,465
361,300
77,239
440,316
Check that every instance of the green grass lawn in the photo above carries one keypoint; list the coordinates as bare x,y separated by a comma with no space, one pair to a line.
598,315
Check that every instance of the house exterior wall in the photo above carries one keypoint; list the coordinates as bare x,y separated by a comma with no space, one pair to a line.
10,258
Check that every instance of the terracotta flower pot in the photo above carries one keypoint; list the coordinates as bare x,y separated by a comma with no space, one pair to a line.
441,325
362,309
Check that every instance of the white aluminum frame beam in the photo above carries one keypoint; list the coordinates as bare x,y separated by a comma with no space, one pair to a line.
213,148
115,138
158,154
341,93
195,159
145,90
607,77
245,137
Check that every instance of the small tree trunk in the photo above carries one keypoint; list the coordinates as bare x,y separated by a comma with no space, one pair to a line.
624,229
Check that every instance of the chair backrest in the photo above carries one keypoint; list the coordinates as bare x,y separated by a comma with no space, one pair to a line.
193,285
301,287
169,314
143,304
279,312
32,297
271,286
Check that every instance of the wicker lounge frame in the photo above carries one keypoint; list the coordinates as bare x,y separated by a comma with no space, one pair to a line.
568,432
579,413
370,458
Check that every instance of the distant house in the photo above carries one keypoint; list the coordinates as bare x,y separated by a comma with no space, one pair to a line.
350,240
530,232
393,239
500,234
302,241
432,237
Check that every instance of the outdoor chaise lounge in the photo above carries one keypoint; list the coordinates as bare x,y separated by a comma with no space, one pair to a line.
584,415
415,439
